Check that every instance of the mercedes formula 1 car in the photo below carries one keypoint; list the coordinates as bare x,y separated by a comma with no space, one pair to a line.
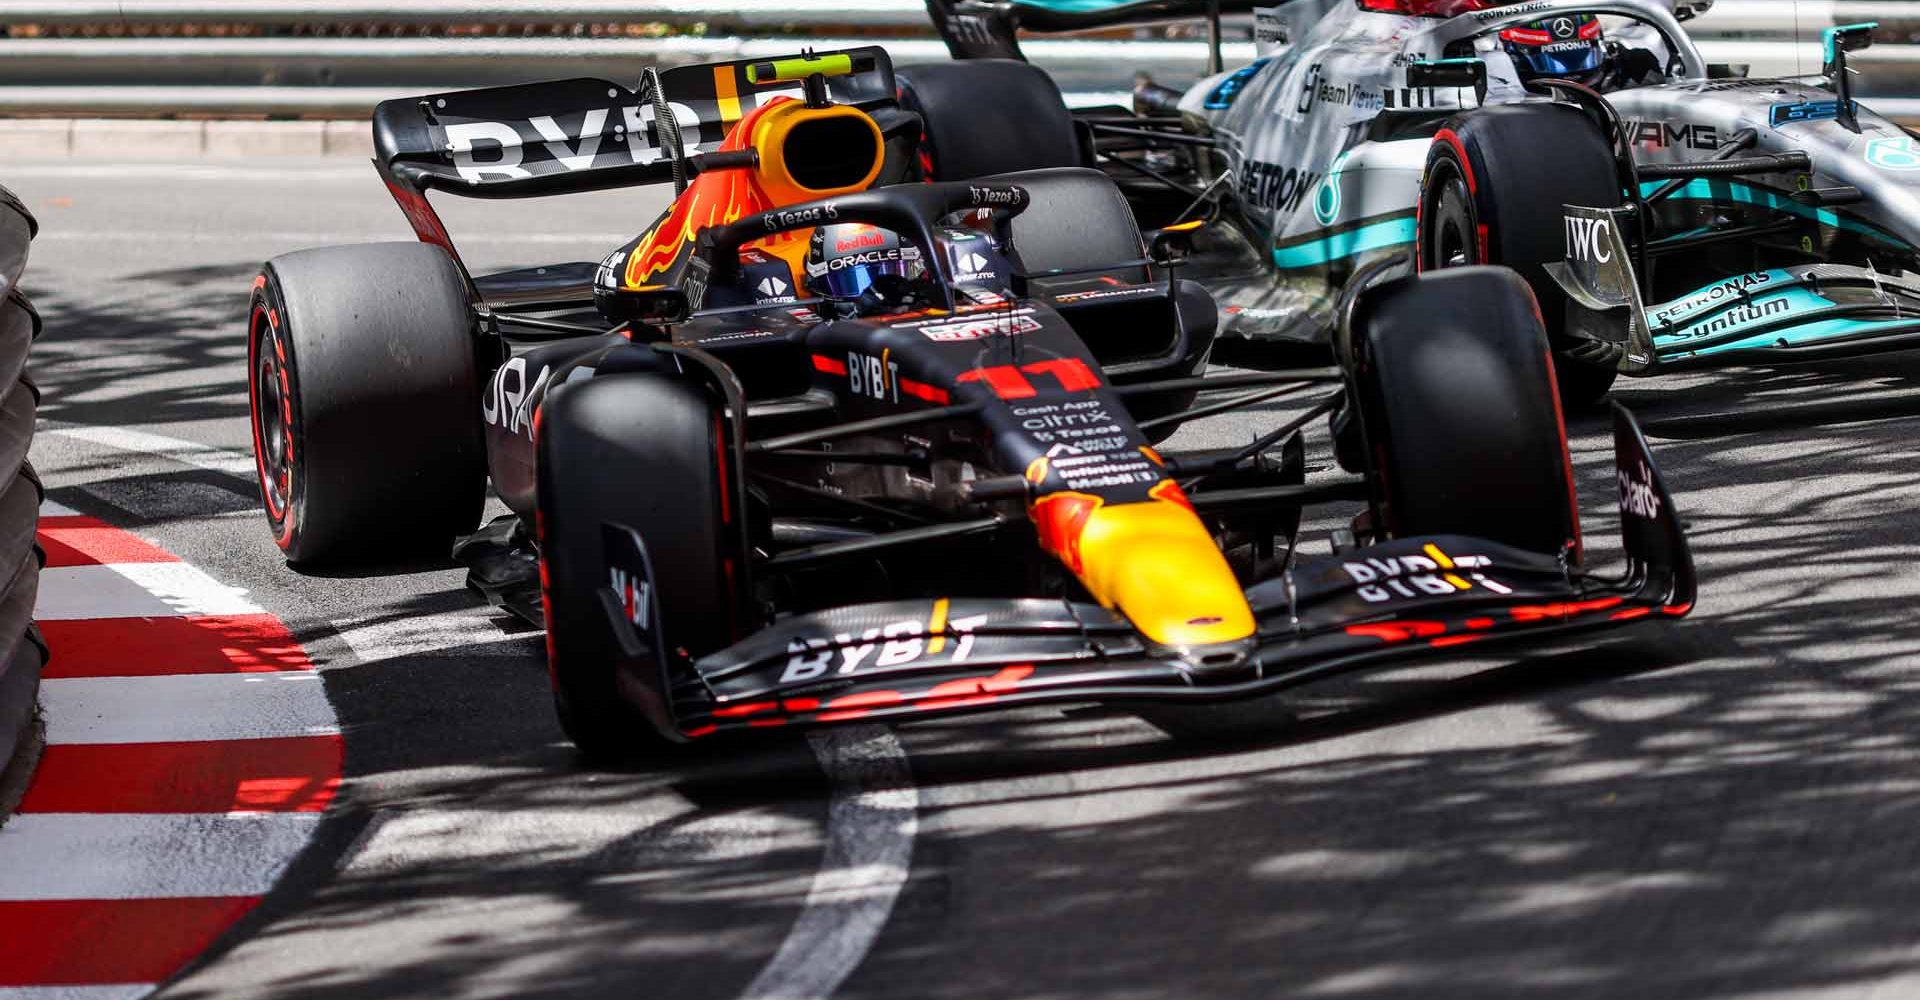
1703,218
821,445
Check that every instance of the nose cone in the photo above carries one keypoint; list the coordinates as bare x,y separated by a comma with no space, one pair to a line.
1153,561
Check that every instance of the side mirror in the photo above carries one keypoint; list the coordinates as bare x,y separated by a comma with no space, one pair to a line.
651,305
1174,244
1836,43
1842,39
1687,10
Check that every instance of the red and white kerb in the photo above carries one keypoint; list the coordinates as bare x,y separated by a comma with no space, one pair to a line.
190,753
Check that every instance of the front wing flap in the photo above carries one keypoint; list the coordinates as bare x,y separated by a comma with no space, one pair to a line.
1803,312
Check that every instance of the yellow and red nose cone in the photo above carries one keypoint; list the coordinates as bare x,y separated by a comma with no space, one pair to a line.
1152,561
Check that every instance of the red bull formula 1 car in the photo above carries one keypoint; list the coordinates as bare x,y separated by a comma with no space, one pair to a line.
822,446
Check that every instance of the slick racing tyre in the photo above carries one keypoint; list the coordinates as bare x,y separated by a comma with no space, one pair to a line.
646,451
1494,192
1459,412
365,402
988,116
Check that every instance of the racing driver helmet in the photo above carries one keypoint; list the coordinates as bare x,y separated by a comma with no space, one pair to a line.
851,261
1566,47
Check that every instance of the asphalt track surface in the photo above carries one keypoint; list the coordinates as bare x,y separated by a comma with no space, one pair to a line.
1725,808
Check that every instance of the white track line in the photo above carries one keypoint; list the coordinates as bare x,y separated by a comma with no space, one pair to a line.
186,707
872,818
50,509
200,456
871,823
117,991
145,856
135,590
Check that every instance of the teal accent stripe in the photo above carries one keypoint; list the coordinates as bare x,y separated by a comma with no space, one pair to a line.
1710,319
1317,253
1796,336
1735,192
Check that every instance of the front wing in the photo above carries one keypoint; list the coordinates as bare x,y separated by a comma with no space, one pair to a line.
1805,312
1370,606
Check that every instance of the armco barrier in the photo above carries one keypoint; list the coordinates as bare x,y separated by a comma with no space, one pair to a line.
1759,17
22,654
329,58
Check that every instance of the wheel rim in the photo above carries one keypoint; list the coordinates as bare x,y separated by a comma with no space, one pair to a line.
271,399
1452,239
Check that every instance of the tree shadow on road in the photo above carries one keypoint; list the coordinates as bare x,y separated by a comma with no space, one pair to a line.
161,347
1709,810
1713,810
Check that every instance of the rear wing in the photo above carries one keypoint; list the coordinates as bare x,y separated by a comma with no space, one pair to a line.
583,134
976,30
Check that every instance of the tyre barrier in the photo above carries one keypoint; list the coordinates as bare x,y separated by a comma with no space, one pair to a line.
23,654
